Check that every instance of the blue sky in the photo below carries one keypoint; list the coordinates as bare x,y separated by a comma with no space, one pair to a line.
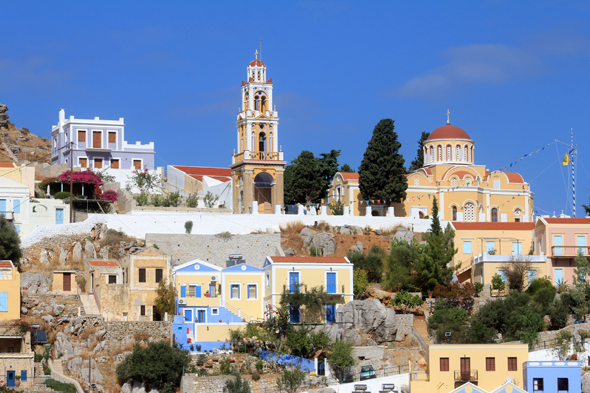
513,74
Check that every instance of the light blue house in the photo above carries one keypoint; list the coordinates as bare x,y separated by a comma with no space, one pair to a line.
552,377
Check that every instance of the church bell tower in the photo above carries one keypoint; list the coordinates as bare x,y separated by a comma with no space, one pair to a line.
258,166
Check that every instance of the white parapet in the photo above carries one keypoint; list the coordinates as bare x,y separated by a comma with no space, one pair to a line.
254,207
368,212
346,211
278,209
390,212
324,210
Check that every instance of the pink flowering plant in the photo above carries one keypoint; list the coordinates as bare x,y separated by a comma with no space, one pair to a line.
145,181
87,176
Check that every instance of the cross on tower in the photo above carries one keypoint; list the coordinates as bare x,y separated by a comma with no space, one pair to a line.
256,54
448,118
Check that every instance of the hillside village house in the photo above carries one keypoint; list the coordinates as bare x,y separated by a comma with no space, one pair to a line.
487,248
345,189
64,282
9,292
561,239
17,359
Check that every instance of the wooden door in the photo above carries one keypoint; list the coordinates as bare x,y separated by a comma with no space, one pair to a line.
96,139
67,287
465,368
137,164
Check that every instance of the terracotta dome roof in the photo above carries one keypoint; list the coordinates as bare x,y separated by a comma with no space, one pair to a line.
256,63
448,132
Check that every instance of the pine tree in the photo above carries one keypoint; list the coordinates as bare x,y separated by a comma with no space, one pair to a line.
418,162
328,164
382,171
305,184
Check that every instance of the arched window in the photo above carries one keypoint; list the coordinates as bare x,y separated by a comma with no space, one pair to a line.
431,154
449,158
457,153
465,154
416,181
494,214
454,213
262,141
253,141
471,155
426,158
454,182
271,145
439,147
469,210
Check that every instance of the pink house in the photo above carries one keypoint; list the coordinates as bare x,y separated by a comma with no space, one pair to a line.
561,239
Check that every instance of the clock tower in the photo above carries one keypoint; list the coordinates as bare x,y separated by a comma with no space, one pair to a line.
258,166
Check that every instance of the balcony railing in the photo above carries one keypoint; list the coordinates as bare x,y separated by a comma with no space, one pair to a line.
466,375
569,251
419,376
485,257
258,156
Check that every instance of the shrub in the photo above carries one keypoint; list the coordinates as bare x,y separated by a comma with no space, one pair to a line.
9,242
372,263
174,199
259,365
448,318
113,238
237,385
157,200
188,227
498,283
225,367
539,284
62,195
340,358
544,298
558,313
192,201
141,199
255,376
405,300
290,381
210,200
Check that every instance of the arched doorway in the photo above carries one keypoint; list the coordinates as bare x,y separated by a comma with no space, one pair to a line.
263,183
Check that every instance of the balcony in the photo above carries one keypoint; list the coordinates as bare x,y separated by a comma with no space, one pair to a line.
465,375
419,376
569,251
485,257
257,156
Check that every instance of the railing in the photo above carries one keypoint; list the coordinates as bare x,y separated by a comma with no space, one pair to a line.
237,311
419,376
465,375
257,155
569,251
420,339
379,373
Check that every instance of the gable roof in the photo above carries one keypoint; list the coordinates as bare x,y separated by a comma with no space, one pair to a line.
512,388
573,220
6,263
309,259
350,176
472,388
197,172
494,226
242,268
208,265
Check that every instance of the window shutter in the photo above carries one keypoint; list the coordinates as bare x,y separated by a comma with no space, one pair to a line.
183,291
248,294
23,375
198,291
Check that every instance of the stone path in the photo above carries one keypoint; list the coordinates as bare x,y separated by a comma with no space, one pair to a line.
422,328
90,307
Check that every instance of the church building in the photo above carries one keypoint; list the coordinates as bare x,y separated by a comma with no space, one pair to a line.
257,168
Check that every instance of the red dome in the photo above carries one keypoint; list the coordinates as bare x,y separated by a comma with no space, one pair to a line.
448,132
256,63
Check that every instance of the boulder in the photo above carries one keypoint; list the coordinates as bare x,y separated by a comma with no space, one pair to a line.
47,318
44,257
104,252
356,230
345,231
307,232
77,253
368,316
586,383
289,252
24,310
95,377
89,250
324,242
404,234
63,257
36,283
358,247
63,345
74,365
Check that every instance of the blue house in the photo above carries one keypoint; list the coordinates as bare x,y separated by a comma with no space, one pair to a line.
552,377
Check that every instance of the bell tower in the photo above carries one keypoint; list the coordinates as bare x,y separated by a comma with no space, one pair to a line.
258,166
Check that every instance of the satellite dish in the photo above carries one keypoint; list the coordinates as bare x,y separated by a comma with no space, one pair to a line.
508,379
448,334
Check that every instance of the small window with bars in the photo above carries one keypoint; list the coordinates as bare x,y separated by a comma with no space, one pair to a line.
159,274
142,311
538,385
112,279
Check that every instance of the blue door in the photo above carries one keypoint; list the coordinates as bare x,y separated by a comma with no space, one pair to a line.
188,315
330,313
331,282
201,316
294,311
10,379
293,281
59,216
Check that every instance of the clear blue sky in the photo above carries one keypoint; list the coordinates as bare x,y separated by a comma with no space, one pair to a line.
513,74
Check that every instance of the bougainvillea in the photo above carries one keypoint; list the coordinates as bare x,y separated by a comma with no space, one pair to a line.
86,176
109,195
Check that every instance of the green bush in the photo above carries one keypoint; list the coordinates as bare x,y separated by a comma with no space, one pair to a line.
174,199
38,357
62,195
192,201
543,299
497,283
448,318
237,385
558,313
59,386
259,365
157,200
478,288
141,199
188,227
538,284
225,367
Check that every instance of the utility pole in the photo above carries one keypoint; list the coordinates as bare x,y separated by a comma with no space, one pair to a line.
72,185
89,372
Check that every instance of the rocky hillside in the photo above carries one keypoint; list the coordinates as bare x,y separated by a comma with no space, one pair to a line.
19,144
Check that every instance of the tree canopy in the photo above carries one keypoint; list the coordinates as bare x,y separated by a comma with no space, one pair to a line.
308,178
418,162
382,171
346,168
9,242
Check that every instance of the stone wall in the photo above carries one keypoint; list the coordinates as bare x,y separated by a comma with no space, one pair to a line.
62,378
118,331
266,384
185,209
216,248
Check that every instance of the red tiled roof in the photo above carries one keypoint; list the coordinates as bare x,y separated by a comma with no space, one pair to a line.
256,63
103,263
514,177
197,172
6,264
309,259
498,226
448,132
557,220
349,175
6,165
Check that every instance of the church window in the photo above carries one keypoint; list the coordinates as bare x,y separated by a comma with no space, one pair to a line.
494,215
449,153
262,142
271,145
496,184
471,155
457,153
416,182
517,211
465,154
258,75
439,153
454,213
454,182
431,154
469,212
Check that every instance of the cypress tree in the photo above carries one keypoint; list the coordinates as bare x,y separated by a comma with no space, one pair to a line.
382,171
418,162
306,185
435,227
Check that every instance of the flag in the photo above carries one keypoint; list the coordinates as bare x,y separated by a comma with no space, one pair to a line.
566,160
378,200
413,198
418,197
428,196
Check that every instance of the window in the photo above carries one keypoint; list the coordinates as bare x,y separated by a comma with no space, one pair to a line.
538,385
16,205
502,274
235,291
159,275
439,148
490,364
23,375
467,247
214,311
137,165
331,282
517,248
252,291
496,184
557,242
454,182
98,162
465,154
5,274
81,136
142,312
517,212
142,275
532,276
112,279
558,276
457,153
267,280
83,162
444,364
115,163
449,153
454,213
563,384
112,137
192,290
3,301
580,242
494,215
469,212
512,364
416,182
96,139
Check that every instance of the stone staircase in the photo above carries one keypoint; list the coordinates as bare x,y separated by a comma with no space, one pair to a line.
422,328
89,303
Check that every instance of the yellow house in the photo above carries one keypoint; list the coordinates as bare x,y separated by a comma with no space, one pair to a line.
487,248
334,274
9,291
484,365
64,282
345,189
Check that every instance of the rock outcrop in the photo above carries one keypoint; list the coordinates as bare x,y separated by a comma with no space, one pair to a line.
36,283
403,234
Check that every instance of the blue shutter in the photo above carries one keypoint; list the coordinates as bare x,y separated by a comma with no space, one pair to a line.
16,205
4,301
183,291
188,315
23,375
198,291
248,291
331,282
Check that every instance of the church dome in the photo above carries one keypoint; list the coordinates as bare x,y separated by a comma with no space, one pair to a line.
448,132
256,63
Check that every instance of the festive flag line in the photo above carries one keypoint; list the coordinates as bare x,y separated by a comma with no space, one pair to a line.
528,155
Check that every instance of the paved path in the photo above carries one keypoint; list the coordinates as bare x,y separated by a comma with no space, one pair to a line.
422,328
90,307
374,385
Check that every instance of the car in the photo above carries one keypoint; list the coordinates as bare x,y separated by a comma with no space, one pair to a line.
367,372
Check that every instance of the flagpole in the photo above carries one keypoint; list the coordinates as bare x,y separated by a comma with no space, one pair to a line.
573,173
